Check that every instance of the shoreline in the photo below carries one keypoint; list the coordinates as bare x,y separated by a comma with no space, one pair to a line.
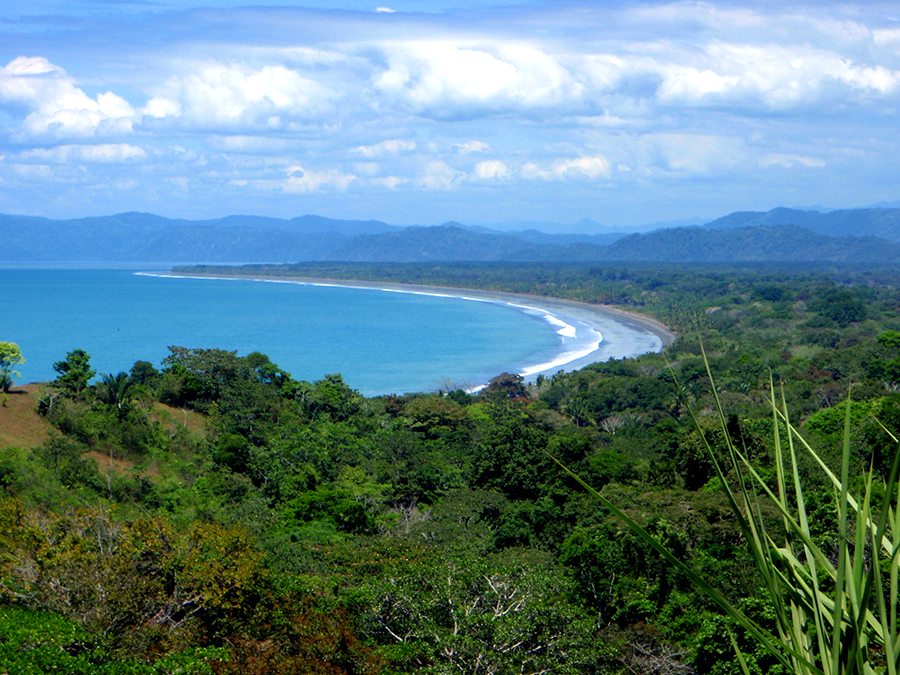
599,332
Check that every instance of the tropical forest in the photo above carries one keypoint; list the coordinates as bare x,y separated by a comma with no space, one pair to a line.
727,506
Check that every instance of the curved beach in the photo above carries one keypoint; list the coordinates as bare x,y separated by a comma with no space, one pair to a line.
588,333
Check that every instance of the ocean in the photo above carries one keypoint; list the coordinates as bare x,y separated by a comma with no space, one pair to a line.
381,342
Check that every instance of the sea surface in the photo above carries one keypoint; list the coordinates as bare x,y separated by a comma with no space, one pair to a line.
381,342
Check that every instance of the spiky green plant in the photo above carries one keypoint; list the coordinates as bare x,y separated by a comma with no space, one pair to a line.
835,610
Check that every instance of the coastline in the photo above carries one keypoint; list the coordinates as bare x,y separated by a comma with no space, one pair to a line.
589,333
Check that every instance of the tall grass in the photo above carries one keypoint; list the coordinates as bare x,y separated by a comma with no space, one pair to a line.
835,603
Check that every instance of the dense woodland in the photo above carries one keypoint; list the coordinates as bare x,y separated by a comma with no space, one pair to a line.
214,514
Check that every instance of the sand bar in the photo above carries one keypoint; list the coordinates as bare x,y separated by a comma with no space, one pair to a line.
588,332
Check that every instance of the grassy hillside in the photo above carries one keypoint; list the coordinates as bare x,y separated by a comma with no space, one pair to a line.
20,423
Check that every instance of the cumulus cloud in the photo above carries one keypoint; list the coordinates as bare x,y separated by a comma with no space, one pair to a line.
567,169
310,181
439,175
392,147
216,95
773,76
56,107
443,78
302,181
673,93
491,170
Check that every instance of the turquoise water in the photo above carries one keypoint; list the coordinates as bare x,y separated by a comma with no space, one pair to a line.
381,342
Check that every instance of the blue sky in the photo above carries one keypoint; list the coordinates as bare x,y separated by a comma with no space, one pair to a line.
421,112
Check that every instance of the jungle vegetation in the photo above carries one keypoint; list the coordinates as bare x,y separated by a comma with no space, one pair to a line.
214,514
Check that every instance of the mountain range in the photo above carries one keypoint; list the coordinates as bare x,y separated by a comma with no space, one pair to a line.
869,235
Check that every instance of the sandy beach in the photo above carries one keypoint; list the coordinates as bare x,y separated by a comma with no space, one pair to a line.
588,333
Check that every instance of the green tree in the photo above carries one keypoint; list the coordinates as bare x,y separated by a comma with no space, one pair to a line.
508,385
842,306
143,372
10,355
116,391
75,372
333,397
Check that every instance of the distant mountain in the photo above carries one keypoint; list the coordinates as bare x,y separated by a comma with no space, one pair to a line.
883,223
144,237
319,224
668,224
538,237
848,235
779,243
583,226
299,225
452,242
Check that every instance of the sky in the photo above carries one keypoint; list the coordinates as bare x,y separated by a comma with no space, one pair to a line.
621,112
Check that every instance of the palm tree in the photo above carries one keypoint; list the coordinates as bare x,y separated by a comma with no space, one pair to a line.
116,390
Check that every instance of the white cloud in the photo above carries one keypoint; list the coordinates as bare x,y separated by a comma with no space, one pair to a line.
57,108
392,147
386,10
32,65
601,121
695,154
105,153
778,77
567,169
491,170
886,36
692,15
440,176
469,147
33,171
250,144
302,181
161,107
660,94
216,95
446,79
789,161
604,72
390,182
691,84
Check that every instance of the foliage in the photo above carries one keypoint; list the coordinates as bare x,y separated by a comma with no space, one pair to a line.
10,355
834,608
75,372
38,643
215,502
